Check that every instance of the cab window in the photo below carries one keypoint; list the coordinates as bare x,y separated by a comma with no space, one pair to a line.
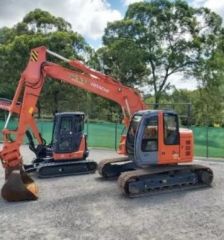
79,123
150,135
133,128
171,129
66,125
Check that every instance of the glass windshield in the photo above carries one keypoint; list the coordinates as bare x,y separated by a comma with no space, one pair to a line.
150,136
131,132
171,132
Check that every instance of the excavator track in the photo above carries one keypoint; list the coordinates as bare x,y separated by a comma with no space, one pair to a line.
161,179
48,170
112,168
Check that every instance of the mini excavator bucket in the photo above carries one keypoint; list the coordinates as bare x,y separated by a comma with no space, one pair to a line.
19,187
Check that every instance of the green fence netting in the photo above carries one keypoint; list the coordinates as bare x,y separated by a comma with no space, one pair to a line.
100,134
209,141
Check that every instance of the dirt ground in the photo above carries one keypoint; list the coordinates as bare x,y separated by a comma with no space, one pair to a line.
87,207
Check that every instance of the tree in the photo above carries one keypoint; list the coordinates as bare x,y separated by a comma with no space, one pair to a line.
210,77
158,39
40,28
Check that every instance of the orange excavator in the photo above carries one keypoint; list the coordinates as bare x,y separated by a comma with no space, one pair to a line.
154,144
67,152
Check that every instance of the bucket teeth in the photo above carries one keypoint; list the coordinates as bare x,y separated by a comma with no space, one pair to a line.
19,187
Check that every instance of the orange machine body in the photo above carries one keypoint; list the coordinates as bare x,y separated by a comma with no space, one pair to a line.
72,155
172,154
154,138
30,87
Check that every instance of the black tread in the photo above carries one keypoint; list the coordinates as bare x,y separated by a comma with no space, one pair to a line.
66,169
203,176
112,168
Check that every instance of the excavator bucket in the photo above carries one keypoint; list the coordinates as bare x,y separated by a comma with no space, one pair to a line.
19,187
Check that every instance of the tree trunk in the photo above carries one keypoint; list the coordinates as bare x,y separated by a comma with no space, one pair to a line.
157,98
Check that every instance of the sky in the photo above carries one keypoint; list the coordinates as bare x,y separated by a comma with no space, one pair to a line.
88,17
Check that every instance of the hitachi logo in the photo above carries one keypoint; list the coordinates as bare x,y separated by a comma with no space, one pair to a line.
78,79
95,85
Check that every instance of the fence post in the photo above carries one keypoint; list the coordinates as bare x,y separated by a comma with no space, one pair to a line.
207,141
115,136
87,124
207,134
189,110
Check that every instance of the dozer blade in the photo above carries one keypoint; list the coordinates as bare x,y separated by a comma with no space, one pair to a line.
19,187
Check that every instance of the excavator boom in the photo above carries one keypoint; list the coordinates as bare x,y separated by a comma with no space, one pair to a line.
19,186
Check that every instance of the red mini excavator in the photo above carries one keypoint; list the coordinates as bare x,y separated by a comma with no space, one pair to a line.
155,146
67,152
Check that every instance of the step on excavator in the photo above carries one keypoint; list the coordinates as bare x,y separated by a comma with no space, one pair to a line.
156,150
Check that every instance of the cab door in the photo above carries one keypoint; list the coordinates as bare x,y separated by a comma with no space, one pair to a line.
68,133
146,140
169,138
64,138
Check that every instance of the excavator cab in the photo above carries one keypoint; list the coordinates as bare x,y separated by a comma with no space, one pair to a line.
142,138
153,138
68,130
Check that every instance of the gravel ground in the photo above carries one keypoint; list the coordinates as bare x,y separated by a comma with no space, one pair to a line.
87,207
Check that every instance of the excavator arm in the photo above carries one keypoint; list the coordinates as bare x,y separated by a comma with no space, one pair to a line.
96,82
19,186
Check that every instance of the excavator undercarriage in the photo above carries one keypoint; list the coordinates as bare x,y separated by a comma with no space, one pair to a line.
50,168
112,168
135,182
161,179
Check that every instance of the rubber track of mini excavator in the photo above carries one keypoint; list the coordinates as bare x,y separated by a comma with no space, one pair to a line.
160,179
104,162
107,163
66,169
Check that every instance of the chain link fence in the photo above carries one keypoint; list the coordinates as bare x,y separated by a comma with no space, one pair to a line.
209,141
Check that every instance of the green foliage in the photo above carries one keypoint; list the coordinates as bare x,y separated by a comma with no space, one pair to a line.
157,39
41,28
42,21
201,107
210,77
126,65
